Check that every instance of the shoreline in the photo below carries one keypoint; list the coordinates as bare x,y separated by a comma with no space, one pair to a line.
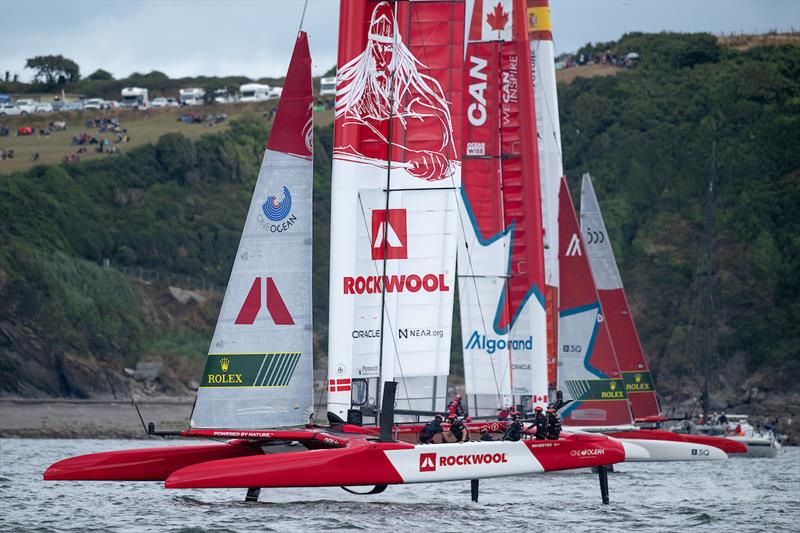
90,419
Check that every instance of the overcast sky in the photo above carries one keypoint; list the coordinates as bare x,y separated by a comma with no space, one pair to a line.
254,38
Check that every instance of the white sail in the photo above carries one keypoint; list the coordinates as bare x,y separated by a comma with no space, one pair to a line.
393,215
259,368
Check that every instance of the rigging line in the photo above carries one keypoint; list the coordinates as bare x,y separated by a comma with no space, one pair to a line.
455,188
303,16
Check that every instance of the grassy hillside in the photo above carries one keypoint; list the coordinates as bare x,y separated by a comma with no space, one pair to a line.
177,205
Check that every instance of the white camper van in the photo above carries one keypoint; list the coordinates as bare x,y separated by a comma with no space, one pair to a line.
134,98
327,86
192,96
275,92
254,92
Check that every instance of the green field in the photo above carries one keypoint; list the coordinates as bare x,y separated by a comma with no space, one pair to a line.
143,127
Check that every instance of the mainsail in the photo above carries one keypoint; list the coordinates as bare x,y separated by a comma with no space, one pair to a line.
501,263
587,367
635,372
550,165
259,368
396,173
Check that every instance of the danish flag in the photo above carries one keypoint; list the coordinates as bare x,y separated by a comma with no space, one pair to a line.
389,235
427,462
274,303
339,385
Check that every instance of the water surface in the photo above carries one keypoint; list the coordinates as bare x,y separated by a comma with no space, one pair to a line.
738,494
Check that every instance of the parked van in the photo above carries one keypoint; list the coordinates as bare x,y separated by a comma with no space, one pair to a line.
134,98
254,92
192,96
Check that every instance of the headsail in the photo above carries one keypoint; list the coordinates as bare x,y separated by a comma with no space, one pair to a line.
587,368
396,173
501,264
550,165
259,368
635,372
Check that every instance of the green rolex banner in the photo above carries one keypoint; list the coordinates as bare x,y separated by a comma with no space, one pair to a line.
638,382
596,389
250,370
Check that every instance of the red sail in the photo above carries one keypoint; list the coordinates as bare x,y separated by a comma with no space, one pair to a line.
293,129
597,387
420,133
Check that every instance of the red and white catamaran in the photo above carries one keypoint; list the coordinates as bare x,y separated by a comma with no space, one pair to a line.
396,176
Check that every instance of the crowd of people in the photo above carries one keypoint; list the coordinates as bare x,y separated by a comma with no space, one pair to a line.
546,425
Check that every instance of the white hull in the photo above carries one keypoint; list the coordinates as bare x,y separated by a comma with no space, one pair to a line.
664,450
760,446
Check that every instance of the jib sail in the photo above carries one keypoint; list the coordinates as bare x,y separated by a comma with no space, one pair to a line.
259,368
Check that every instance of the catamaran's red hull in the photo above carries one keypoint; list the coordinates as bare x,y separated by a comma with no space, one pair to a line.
146,464
364,462
726,445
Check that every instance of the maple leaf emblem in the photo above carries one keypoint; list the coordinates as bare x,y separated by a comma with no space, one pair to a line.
498,18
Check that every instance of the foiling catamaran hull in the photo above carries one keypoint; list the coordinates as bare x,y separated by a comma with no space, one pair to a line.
332,458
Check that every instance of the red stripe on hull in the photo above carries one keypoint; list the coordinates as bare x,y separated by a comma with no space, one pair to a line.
146,464
361,463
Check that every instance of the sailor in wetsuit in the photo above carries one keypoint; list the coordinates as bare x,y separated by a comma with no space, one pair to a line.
514,429
455,407
553,424
539,423
485,435
458,429
430,430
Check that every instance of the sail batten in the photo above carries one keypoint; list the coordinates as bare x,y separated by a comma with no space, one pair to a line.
259,368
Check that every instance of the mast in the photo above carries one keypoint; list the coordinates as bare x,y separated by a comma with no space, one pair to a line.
709,279
501,257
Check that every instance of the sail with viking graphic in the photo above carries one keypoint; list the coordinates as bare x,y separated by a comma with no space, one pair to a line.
259,368
588,372
635,372
500,261
396,173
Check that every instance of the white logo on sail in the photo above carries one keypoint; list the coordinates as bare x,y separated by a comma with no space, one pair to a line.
574,247
394,240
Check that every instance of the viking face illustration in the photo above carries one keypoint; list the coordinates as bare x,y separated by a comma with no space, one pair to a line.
384,83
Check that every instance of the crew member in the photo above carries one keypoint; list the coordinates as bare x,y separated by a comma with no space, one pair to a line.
514,429
485,435
553,424
539,423
430,430
455,407
458,429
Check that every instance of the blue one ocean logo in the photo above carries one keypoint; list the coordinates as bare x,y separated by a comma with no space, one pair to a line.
278,216
482,342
